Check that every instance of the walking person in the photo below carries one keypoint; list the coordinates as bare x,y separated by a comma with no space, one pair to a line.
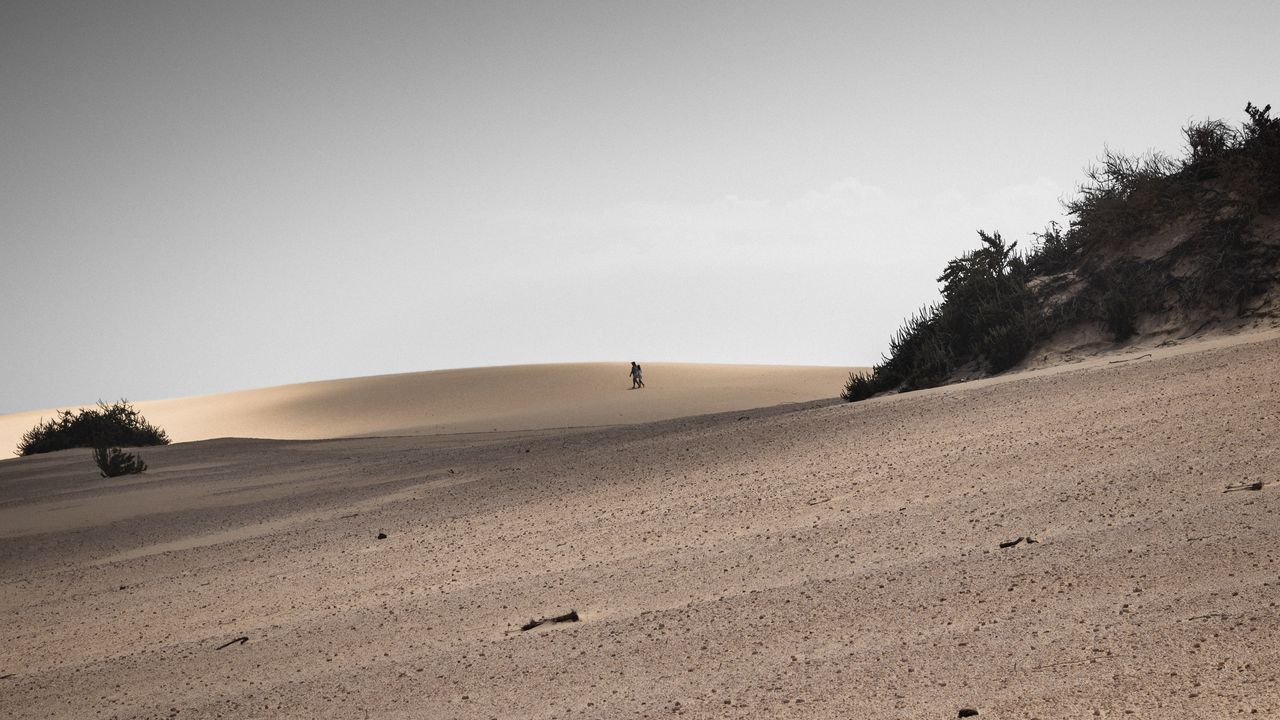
637,376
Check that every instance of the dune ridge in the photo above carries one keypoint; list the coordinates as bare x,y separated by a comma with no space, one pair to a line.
485,399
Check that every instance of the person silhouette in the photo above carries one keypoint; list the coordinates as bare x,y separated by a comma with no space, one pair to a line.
637,376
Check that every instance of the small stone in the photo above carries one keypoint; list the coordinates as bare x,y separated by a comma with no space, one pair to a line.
382,536
967,712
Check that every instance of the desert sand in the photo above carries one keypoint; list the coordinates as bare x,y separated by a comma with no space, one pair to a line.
506,398
815,560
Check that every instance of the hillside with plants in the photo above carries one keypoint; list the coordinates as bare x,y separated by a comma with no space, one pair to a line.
1156,247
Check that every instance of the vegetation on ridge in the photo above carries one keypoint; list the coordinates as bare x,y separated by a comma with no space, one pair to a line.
998,304
117,424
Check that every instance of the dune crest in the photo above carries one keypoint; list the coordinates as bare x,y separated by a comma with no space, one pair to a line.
487,399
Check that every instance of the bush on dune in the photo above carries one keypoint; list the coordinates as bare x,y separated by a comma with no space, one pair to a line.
114,462
988,317
117,424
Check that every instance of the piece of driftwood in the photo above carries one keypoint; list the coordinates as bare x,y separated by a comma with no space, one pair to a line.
241,640
1113,362
1081,661
1257,485
1206,617
571,616
1011,543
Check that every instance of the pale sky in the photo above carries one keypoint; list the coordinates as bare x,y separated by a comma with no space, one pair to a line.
207,196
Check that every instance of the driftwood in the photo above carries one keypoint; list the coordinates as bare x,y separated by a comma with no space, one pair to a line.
1206,617
1074,662
241,640
1113,362
1257,485
571,616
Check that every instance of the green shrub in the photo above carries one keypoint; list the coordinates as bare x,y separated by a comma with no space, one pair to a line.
118,424
858,387
114,462
1004,345
1055,251
1119,313
988,315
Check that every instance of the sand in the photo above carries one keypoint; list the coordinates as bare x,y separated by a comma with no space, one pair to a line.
813,560
507,398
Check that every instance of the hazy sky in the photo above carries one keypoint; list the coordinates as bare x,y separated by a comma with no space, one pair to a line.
207,196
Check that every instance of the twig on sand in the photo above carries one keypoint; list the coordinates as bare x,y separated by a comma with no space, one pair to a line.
242,640
1081,661
571,616
1011,543
6,677
1206,617
1256,485
1113,362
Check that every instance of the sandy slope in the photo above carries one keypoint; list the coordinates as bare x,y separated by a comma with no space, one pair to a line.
516,397
820,560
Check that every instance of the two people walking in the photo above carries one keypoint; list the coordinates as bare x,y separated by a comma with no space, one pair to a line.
637,376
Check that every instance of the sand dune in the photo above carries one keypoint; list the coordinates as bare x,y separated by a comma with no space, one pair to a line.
520,397
813,561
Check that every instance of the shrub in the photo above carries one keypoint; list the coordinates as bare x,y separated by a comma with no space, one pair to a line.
989,317
118,424
1054,252
1004,345
1119,313
986,315
858,387
114,462
1122,195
